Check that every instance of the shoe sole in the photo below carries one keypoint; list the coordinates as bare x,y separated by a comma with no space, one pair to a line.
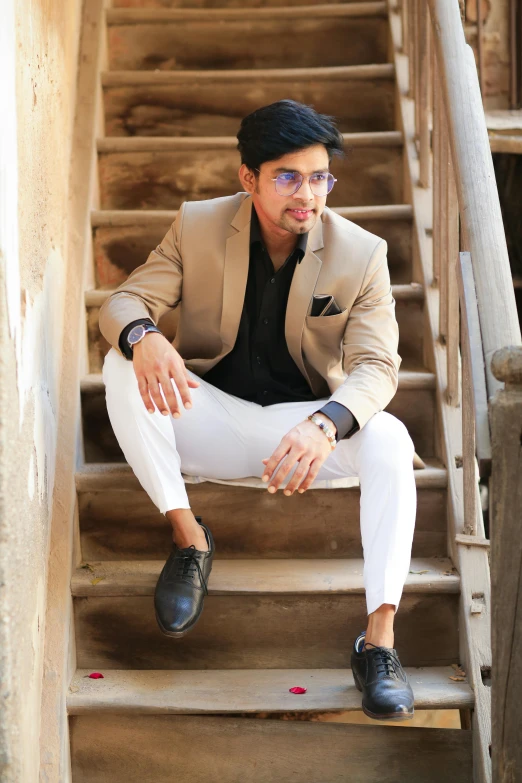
395,716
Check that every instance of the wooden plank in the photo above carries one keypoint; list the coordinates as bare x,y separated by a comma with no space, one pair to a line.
245,690
138,16
335,73
469,307
243,42
103,476
162,178
173,144
401,293
418,380
131,217
472,562
161,748
260,631
245,522
261,577
506,563
423,97
471,540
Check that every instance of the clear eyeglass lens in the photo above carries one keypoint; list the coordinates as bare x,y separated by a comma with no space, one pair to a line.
289,182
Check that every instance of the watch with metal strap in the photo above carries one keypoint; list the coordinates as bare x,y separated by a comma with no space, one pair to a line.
328,431
137,333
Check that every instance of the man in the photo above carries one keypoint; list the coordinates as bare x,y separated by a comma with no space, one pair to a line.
286,311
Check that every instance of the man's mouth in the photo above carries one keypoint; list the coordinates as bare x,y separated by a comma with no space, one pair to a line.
301,214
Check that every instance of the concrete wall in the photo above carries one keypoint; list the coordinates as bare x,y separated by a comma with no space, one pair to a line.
38,68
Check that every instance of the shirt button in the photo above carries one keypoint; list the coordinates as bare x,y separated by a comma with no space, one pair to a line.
272,279
258,359
265,391
265,320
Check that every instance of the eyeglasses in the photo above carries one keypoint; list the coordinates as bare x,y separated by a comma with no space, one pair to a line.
289,182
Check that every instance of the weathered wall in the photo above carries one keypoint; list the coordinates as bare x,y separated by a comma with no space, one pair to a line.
38,59
496,51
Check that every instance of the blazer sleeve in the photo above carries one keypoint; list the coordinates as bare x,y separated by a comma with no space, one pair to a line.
370,343
150,290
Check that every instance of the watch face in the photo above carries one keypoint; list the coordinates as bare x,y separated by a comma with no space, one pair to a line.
135,334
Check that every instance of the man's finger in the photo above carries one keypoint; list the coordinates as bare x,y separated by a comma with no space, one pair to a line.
284,470
315,467
145,396
170,396
155,393
299,474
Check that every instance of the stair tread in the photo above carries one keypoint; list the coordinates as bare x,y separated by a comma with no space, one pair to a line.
408,379
119,78
126,16
121,144
402,291
262,576
248,690
130,217
98,476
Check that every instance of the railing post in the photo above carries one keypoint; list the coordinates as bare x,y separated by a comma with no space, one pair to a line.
506,563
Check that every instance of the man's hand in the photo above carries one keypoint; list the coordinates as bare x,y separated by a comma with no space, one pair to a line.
155,362
305,444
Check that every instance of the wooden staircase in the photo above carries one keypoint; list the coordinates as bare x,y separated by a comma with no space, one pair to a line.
286,592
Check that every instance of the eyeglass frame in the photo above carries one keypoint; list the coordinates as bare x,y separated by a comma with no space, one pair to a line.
274,179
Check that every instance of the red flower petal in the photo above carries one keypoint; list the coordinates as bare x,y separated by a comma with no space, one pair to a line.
297,689
96,676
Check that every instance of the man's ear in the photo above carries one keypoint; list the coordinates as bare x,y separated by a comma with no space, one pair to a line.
247,178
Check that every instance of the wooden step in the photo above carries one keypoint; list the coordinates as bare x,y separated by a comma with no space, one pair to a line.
220,3
190,692
161,173
259,614
123,239
178,39
213,103
207,749
414,404
261,577
408,310
320,523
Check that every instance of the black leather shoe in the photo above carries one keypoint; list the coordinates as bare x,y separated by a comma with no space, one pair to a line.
378,674
182,586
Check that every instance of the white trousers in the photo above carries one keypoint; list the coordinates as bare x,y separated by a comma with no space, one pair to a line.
225,437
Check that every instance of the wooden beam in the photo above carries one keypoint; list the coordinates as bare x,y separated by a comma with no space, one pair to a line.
506,563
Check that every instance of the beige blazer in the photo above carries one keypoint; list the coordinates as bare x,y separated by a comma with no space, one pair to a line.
201,266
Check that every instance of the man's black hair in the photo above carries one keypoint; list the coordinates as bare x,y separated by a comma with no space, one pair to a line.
282,127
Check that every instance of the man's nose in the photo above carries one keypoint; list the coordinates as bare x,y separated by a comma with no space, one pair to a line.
305,192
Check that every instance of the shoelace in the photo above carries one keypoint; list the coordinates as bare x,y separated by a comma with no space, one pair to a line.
185,559
386,660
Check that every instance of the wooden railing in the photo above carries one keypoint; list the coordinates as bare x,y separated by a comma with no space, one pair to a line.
477,318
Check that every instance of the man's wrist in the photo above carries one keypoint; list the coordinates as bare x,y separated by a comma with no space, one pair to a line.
327,420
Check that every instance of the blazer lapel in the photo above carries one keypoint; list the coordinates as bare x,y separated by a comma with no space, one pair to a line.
237,254
301,291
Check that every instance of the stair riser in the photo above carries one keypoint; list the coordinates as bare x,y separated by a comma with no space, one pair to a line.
208,749
118,250
216,108
163,180
259,631
303,40
415,407
126,525
409,317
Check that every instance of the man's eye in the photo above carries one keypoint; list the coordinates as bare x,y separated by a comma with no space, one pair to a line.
319,177
287,177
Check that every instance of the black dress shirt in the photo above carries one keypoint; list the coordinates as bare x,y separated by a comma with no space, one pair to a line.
260,368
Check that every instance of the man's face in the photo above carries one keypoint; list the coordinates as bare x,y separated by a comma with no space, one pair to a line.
298,213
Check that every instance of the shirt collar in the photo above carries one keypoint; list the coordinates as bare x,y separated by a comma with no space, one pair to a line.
255,236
